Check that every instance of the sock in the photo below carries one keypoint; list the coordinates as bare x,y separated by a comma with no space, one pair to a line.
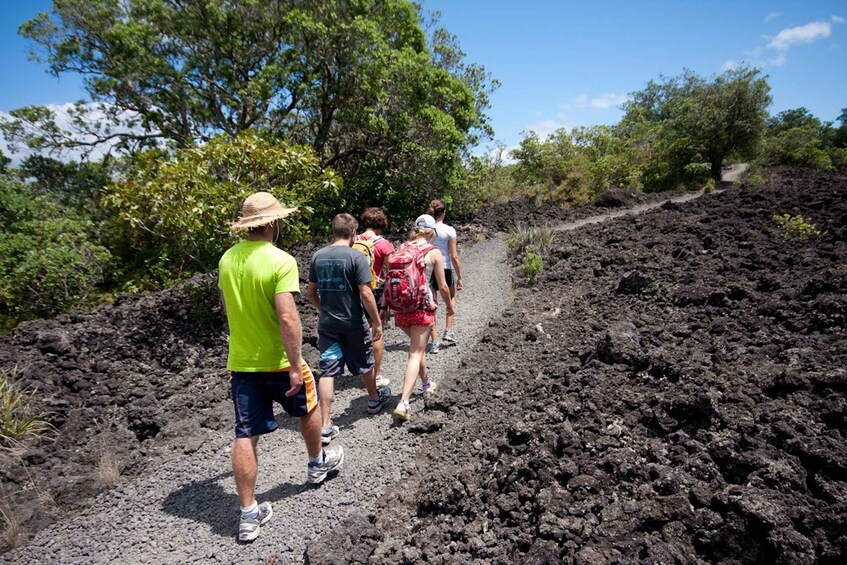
250,511
319,459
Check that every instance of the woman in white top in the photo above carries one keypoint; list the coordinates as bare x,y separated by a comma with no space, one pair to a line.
445,241
417,324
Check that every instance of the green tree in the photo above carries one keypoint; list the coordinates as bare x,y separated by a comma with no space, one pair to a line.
389,108
173,215
700,121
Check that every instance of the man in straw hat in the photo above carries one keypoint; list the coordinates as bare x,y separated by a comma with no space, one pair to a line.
258,282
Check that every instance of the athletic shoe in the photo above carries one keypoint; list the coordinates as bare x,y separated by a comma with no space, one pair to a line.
332,460
429,387
329,434
449,337
384,395
434,347
402,411
382,381
248,528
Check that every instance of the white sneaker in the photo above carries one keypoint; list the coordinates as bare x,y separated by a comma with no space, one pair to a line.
332,461
382,381
248,528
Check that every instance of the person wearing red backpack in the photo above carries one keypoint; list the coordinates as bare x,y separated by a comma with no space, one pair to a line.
408,294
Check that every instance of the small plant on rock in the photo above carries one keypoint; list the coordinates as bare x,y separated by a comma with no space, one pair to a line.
709,186
533,264
797,227
19,417
523,237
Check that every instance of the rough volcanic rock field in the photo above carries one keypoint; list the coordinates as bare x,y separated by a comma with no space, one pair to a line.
671,391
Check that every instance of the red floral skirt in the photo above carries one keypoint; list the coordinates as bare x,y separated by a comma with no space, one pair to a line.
418,318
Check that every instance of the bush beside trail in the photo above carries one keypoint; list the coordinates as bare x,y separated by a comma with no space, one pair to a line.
671,391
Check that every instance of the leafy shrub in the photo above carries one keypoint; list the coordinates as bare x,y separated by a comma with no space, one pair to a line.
20,418
797,227
48,263
697,173
709,186
176,212
532,265
796,146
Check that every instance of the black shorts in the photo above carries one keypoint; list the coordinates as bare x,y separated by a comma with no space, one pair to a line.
448,276
254,394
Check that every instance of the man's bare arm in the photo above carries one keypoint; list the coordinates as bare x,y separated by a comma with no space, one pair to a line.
292,337
369,303
312,295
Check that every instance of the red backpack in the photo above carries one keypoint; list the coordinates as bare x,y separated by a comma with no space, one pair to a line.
406,289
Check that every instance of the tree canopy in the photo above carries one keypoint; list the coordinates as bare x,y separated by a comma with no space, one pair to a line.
387,105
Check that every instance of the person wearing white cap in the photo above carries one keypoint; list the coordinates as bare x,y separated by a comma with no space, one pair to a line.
258,282
418,323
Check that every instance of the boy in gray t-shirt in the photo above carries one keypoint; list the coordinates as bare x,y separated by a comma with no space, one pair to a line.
339,286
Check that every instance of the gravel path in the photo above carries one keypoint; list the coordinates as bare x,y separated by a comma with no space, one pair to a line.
186,511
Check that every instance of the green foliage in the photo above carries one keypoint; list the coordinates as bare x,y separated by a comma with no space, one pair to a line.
797,227
50,261
486,181
796,137
523,237
20,417
72,184
532,264
696,121
798,145
4,162
553,170
709,186
175,213
389,107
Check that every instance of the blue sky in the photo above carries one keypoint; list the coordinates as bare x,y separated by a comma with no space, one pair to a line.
564,63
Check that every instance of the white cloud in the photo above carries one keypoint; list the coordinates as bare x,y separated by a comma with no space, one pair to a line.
730,64
608,100
545,127
772,16
507,157
804,34
838,19
80,124
777,61
603,101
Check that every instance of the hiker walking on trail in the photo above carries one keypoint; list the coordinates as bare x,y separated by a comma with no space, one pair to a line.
374,222
258,282
409,296
445,242
339,286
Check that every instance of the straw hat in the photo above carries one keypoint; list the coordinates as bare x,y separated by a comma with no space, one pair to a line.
260,209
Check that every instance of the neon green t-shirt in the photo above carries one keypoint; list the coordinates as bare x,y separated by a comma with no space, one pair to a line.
250,274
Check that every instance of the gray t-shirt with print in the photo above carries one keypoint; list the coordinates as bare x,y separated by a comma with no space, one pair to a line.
338,271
